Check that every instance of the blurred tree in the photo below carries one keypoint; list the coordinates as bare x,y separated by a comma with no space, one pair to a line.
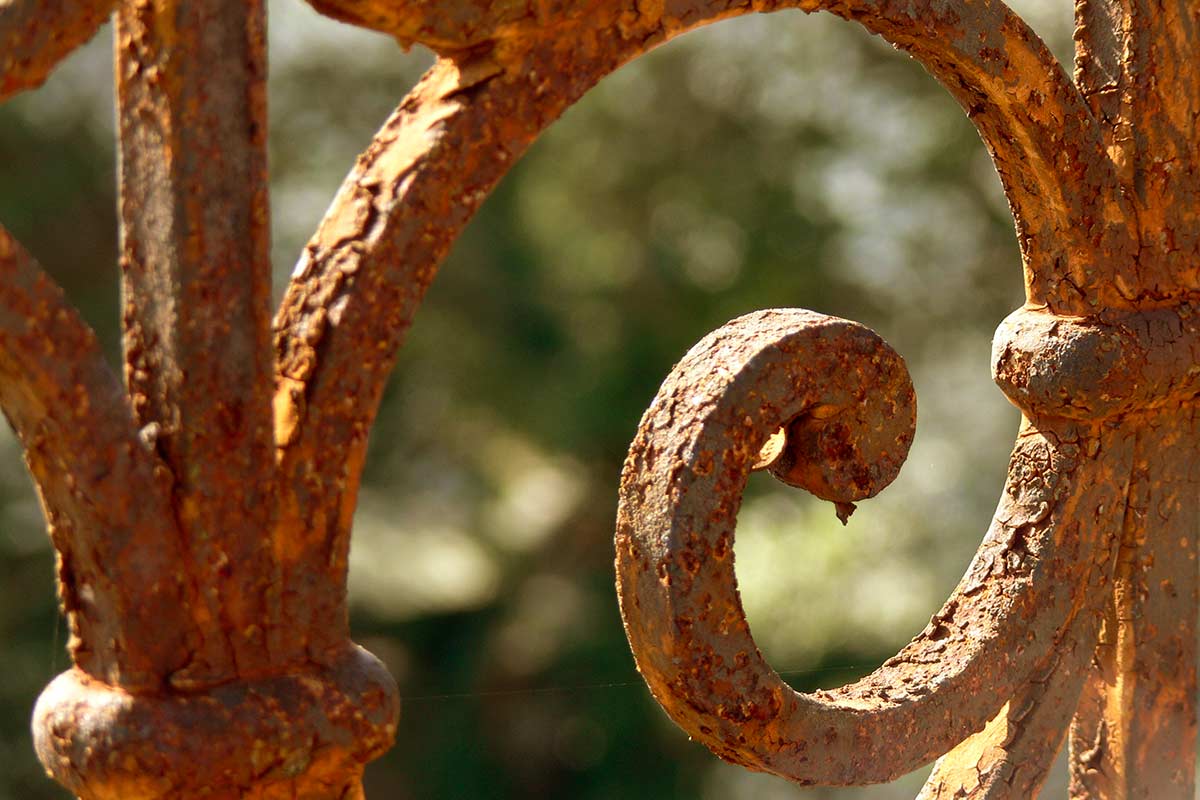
764,162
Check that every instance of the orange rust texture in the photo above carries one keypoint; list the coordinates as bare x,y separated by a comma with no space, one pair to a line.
1106,400
36,34
1083,377
1134,735
196,283
1136,66
100,489
1098,510
1021,615
160,494
1012,755
229,574
279,738
363,275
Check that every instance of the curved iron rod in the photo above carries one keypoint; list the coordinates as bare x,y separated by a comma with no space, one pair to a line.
124,595
1011,756
35,35
1040,566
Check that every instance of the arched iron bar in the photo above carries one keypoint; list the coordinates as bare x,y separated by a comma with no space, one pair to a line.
363,275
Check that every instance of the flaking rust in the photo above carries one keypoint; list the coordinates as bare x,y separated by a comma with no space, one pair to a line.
233,518
827,406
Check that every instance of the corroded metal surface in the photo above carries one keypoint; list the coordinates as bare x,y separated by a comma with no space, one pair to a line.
36,34
281,737
74,423
195,280
1099,472
1101,366
363,275
162,494
203,524
1018,618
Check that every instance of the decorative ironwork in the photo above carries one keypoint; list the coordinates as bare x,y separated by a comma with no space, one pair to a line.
1022,625
202,512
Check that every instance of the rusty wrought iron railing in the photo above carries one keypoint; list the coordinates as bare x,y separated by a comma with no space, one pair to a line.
201,509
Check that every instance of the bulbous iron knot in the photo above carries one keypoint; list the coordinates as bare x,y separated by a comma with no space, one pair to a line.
1094,368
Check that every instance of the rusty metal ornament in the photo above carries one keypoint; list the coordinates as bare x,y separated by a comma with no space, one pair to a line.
202,525
1016,616
1000,669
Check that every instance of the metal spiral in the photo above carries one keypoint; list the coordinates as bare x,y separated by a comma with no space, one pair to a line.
845,402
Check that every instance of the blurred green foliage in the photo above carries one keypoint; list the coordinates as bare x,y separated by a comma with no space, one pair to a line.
768,161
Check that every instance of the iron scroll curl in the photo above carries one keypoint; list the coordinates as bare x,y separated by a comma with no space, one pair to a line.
1012,630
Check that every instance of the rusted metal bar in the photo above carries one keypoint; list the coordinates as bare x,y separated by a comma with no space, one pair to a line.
1111,364
196,281
1136,65
1134,735
449,26
1012,755
80,442
297,735
35,35
1034,121
1135,732
1072,221
217,708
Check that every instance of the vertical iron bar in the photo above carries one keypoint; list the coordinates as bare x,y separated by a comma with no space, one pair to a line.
196,279
1134,734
